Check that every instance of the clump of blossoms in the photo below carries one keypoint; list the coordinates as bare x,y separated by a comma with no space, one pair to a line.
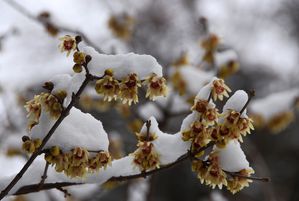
156,86
126,90
30,145
208,126
78,161
146,157
45,101
209,171
237,183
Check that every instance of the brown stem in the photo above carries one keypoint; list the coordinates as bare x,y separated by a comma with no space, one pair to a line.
65,192
235,174
44,176
148,126
63,115
251,94
33,188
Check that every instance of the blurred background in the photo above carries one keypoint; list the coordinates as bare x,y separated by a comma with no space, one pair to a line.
258,49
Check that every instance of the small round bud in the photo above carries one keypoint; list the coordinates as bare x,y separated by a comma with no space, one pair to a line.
77,68
61,95
109,72
25,138
37,142
78,39
79,57
48,85
87,59
55,151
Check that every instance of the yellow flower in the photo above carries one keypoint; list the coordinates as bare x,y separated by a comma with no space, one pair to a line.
145,157
235,184
245,126
79,57
28,146
209,172
68,44
79,155
108,86
51,104
220,89
196,129
102,159
156,86
210,116
129,89
200,106
33,107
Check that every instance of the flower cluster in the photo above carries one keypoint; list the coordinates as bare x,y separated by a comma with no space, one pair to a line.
220,89
208,126
78,161
237,183
46,101
145,157
127,89
210,173
30,145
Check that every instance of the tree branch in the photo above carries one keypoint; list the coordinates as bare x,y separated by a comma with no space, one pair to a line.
44,23
63,115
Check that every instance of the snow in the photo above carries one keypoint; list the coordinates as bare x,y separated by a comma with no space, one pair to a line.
188,121
150,109
138,190
205,91
10,165
78,129
122,64
225,57
232,157
165,143
236,102
195,78
274,104
178,102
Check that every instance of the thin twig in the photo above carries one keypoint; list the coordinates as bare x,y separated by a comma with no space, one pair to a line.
65,192
63,115
251,94
33,188
44,176
236,174
27,14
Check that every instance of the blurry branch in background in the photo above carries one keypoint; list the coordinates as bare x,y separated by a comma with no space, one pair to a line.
52,28
8,33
